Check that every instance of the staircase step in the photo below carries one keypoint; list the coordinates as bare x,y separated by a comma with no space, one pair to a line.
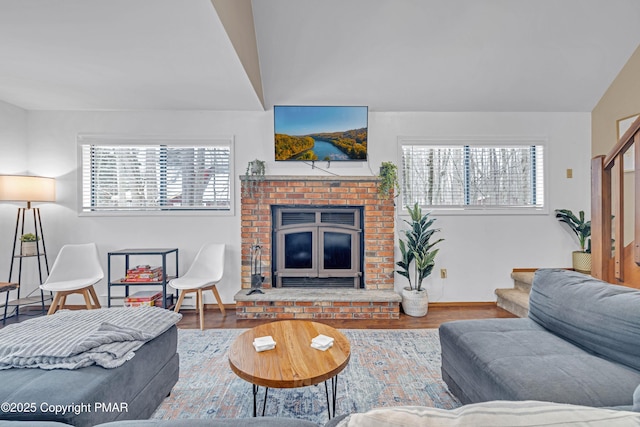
514,300
523,280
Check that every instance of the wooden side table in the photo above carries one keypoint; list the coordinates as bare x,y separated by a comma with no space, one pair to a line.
293,362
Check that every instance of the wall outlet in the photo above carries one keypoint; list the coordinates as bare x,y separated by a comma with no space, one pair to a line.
443,273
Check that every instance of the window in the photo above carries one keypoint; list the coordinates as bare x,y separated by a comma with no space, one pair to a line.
134,175
473,175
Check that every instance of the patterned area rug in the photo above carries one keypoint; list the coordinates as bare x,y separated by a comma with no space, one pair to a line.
387,368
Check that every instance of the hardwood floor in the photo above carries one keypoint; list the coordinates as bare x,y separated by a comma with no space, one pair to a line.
437,314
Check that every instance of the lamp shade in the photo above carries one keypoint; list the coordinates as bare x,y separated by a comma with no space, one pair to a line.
22,188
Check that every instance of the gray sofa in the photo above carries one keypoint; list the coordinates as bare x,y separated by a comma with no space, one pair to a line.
579,345
495,414
142,384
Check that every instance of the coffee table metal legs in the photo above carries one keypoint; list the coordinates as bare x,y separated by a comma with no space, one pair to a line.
331,404
334,392
264,403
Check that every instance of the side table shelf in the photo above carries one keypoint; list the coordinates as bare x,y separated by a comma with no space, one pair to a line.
128,254
18,258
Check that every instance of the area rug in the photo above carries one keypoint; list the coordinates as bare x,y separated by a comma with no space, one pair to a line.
387,368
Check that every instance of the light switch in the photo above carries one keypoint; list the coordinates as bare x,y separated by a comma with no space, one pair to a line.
569,173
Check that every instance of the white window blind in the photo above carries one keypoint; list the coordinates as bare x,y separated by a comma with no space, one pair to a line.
478,176
143,176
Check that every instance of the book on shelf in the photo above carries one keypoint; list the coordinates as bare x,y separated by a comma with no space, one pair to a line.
144,273
142,279
142,296
144,269
151,303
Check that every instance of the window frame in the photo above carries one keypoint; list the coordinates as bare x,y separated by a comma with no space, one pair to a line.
477,141
226,141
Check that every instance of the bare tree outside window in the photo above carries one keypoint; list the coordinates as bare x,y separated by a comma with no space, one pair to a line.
139,177
459,176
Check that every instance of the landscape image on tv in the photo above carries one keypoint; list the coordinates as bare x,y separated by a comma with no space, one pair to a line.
320,133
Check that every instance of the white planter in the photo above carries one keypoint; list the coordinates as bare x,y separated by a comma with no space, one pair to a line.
415,303
29,248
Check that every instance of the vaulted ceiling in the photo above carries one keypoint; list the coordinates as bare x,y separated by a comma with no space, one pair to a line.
392,55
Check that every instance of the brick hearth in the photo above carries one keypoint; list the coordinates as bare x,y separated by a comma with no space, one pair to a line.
378,250
279,303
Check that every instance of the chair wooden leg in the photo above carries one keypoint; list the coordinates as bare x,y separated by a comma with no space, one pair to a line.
180,300
87,298
92,291
54,304
201,308
63,300
215,294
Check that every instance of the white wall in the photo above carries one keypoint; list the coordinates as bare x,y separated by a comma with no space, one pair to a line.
479,251
13,160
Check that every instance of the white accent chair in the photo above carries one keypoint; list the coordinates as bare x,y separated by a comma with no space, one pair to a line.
75,271
205,272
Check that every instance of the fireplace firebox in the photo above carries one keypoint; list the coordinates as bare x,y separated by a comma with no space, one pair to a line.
317,246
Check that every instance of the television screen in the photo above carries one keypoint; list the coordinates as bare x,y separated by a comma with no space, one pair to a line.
320,133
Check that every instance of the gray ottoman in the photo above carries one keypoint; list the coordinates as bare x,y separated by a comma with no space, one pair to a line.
94,395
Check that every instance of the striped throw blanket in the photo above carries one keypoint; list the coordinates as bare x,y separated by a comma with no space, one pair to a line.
74,339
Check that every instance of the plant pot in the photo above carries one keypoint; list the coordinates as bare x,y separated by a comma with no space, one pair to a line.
581,262
415,303
29,248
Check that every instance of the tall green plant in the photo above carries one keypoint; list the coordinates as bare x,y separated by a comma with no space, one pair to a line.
578,225
416,249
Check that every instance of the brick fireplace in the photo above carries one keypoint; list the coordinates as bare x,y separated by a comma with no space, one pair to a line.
375,299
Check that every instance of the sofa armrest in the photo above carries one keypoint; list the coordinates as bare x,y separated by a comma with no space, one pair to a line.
636,400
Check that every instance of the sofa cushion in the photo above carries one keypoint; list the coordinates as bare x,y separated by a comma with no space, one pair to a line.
495,414
597,316
517,359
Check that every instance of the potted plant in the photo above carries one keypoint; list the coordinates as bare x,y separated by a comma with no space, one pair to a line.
28,245
388,179
581,259
253,175
417,254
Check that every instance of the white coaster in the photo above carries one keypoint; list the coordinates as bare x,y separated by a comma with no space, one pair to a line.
322,340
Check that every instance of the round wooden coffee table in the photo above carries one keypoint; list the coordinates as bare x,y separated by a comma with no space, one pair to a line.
293,362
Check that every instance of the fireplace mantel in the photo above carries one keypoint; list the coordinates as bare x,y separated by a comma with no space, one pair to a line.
301,178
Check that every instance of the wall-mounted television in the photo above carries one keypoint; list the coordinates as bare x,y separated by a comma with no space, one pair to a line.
310,133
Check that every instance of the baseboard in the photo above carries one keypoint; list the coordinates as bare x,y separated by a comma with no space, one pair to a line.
478,304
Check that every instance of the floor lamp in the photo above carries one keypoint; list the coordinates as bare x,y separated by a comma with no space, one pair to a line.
21,188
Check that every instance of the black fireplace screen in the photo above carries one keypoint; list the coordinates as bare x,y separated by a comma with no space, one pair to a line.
337,251
317,246
298,250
